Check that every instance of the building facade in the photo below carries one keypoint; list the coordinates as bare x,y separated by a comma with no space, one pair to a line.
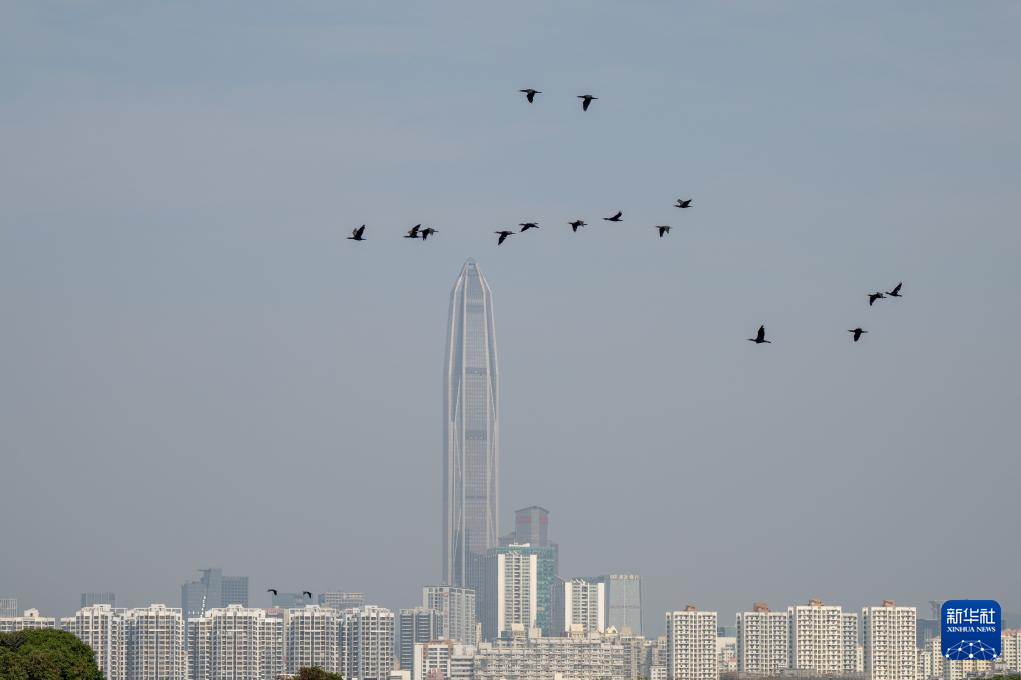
888,634
156,648
471,432
414,626
366,643
457,608
763,645
213,591
235,643
443,659
94,598
342,600
30,619
691,645
584,606
8,607
105,630
817,638
313,638
549,658
511,590
623,607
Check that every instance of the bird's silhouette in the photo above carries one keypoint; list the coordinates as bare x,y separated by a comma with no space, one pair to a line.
413,232
356,234
896,290
305,592
683,203
577,223
586,99
271,590
427,232
857,333
503,236
875,296
525,226
760,337
530,94
663,229
615,218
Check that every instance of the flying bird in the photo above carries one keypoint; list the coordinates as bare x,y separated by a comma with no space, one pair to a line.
307,593
525,226
356,234
577,223
271,590
760,337
615,218
857,333
586,99
503,236
427,232
663,229
530,94
683,203
896,290
413,232
875,296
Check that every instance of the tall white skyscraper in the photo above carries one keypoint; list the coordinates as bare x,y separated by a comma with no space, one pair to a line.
889,638
367,643
763,646
817,637
511,592
584,606
416,625
471,432
235,643
105,630
457,608
156,643
691,645
313,638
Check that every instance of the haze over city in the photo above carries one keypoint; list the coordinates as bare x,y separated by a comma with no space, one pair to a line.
199,370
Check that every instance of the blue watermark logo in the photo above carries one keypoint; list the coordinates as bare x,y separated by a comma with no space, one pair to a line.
970,630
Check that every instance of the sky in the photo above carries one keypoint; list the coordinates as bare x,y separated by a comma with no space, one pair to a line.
198,369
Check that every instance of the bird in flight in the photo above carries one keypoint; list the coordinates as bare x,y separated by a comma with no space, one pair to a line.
683,203
663,229
271,590
427,232
530,94
760,337
413,232
356,234
875,296
525,226
307,593
577,223
615,218
586,99
896,290
503,236
857,333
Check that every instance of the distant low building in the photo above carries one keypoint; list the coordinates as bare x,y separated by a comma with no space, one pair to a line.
29,620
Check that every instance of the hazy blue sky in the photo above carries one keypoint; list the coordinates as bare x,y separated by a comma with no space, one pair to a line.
197,369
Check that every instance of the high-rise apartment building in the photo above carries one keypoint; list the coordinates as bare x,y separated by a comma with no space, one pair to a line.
235,643
8,607
584,606
763,646
623,602
511,591
853,652
30,619
313,638
691,645
457,608
889,641
471,432
546,583
1010,650
213,591
156,649
366,643
342,600
817,638
105,630
416,625
94,598
443,659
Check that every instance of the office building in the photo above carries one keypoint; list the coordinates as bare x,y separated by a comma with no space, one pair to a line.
8,607
366,643
763,646
416,625
94,598
342,600
471,432
105,630
213,591
457,610
888,634
313,638
531,525
156,650
691,645
623,607
584,606
511,590
288,600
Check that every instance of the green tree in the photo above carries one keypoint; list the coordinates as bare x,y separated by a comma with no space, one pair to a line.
316,673
46,655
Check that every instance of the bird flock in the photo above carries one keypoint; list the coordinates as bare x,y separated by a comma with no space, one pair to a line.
417,232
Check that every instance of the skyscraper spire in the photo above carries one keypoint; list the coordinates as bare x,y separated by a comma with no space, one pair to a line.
471,432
